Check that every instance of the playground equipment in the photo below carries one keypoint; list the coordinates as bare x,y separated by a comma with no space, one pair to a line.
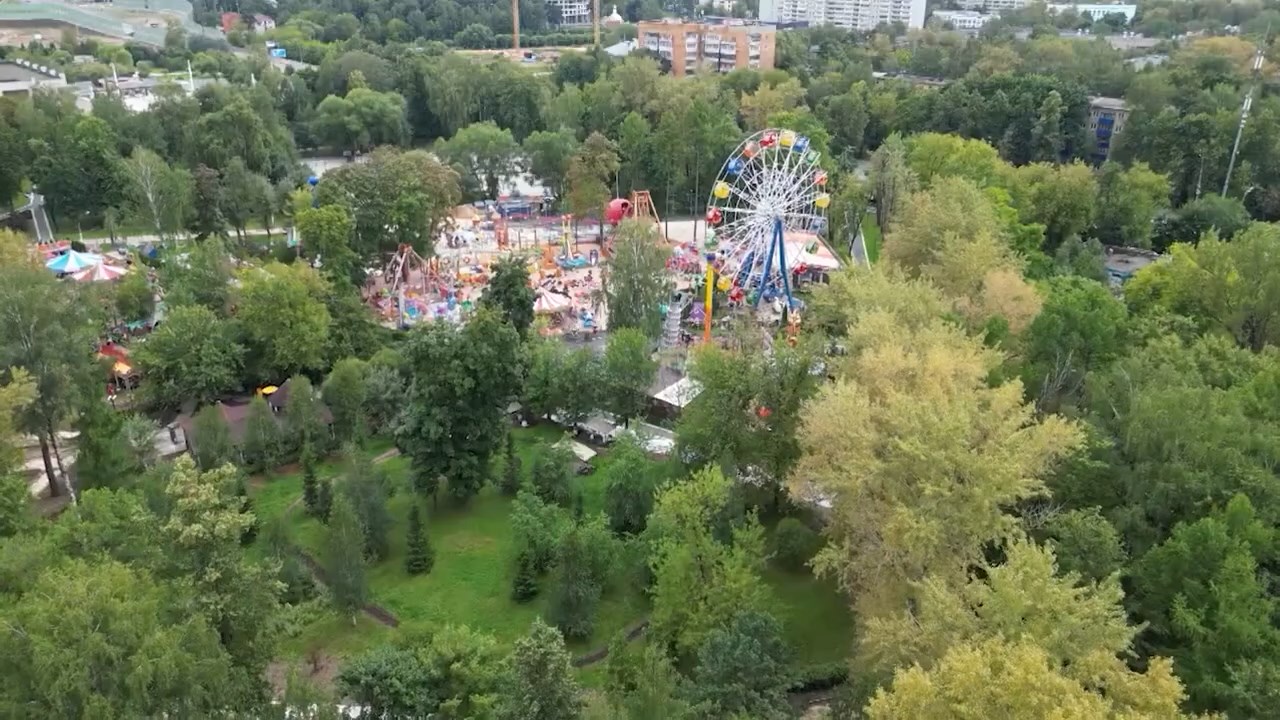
770,186
400,269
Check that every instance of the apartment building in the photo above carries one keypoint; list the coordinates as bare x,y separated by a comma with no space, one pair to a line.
963,19
1106,120
849,14
706,46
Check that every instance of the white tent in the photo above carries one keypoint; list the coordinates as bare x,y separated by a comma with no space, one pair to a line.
679,393
549,303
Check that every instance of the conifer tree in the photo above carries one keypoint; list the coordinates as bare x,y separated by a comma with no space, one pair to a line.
344,564
310,484
324,500
420,557
511,469
525,585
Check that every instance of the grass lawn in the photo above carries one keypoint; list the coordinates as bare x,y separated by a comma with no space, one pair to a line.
871,236
471,581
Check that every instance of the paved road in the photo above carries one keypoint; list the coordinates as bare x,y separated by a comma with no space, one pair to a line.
139,240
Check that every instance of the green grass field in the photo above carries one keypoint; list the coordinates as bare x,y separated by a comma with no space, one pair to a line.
471,581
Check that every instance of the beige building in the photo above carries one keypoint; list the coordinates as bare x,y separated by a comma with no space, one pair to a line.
717,47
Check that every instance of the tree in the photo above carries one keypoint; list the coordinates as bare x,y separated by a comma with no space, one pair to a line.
1205,595
794,543
590,171
893,419
540,684
344,560
1085,543
201,276
364,487
310,483
202,536
524,585
303,424
384,394
107,628
46,330
1128,202
451,673
394,198
1047,138
419,556
15,506
706,562
327,232
463,379
550,478
1231,287
511,479
537,528
101,460
192,355
344,394
211,445
509,294
636,282
742,669
484,155
548,153
260,447
998,678
586,553
769,99
846,116
158,195
747,416
80,174
643,685
1080,328
362,119
135,298
244,194
630,482
206,193
892,180
629,371
284,318
1060,197
324,500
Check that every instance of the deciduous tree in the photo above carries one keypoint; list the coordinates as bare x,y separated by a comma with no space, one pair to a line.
540,683
193,355
509,293
284,318
344,395
636,282
484,155
261,444
344,559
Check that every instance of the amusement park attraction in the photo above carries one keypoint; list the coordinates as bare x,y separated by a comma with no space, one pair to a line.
769,188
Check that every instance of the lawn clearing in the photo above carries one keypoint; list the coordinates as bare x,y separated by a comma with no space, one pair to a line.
871,236
471,581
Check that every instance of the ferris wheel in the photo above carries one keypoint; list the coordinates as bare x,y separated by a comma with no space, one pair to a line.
769,188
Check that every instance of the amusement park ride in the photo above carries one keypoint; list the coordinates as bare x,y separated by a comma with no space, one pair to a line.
770,187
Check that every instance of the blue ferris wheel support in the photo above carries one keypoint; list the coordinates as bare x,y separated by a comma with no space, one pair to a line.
776,244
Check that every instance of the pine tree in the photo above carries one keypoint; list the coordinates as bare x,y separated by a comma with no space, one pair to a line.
364,486
525,585
246,506
324,500
420,557
511,469
310,484
344,559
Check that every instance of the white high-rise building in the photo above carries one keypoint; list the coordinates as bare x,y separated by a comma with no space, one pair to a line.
573,12
850,14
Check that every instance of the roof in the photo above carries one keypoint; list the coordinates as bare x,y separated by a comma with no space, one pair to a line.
580,451
235,413
1108,103
680,393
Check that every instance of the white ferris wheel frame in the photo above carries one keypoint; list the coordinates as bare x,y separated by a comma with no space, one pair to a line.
776,185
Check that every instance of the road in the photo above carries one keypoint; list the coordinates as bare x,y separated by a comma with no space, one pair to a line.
140,240
859,251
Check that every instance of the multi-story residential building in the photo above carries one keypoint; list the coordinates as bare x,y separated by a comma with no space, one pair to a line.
716,46
1096,11
572,12
991,6
963,19
849,14
1106,120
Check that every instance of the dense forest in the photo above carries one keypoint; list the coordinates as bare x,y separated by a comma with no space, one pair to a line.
1045,496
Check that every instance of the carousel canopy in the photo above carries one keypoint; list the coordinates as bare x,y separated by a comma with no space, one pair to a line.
72,261
549,302
99,272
